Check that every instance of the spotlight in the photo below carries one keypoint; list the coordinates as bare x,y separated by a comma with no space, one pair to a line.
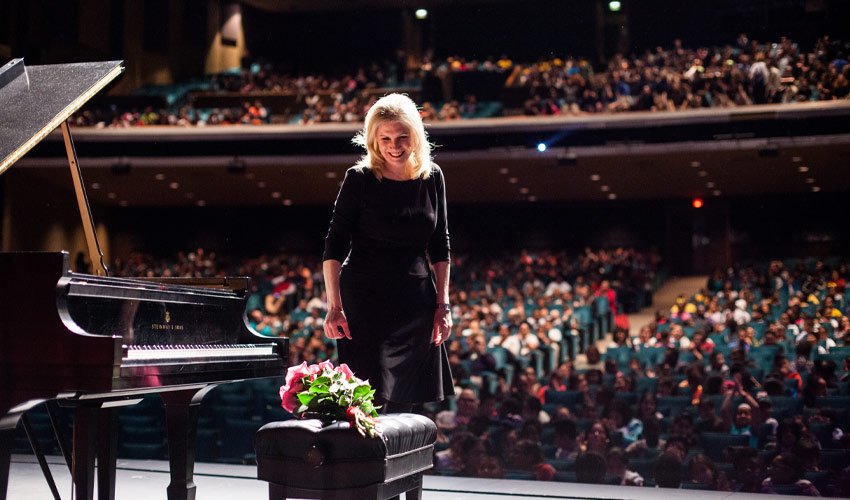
615,6
697,203
421,13
541,147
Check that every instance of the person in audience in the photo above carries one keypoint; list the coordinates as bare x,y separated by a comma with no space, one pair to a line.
702,470
747,418
595,439
668,471
701,346
565,440
591,361
527,456
650,445
717,364
807,451
816,387
620,338
786,469
507,340
481,360
750,472
591,468
452,458
782,369
618,466
467,407
490,468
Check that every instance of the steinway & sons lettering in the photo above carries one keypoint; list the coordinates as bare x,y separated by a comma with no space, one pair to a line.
161,326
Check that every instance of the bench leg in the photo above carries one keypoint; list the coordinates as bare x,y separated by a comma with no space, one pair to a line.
414,494
277,492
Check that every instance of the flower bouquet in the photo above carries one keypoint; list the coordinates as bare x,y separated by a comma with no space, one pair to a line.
330,393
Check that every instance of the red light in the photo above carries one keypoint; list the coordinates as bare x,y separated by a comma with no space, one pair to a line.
697,203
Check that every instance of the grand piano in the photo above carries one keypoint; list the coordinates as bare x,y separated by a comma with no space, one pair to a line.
95,342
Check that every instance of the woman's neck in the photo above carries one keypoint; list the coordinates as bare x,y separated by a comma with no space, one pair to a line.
395,173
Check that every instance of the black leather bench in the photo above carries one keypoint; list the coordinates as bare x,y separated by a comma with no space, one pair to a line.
304,459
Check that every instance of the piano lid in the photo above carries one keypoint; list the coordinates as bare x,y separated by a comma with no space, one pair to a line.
34,100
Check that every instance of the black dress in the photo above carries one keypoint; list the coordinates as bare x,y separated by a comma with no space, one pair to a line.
386,286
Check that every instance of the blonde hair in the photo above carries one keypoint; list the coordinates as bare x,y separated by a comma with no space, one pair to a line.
395,108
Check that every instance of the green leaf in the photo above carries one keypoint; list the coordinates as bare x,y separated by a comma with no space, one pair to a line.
305,398
361,391
318,389
322,381
301,409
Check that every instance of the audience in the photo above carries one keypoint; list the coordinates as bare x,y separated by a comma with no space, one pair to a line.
664,79
524,410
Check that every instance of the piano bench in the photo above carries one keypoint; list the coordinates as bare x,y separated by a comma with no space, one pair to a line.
304,459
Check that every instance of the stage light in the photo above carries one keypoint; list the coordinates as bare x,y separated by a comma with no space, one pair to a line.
541,147
615,6
421,13
697,203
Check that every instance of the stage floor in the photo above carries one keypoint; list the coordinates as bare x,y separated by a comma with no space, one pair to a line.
147,480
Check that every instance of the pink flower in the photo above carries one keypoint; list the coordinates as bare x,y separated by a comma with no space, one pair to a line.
345,370
325,364
296,372
289,397
289,392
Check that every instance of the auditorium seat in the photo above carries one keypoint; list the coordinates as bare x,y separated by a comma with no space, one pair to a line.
646,384
786,406
563,398
643,466
714,444
672,406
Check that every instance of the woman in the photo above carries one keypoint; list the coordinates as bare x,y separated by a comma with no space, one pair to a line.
383,307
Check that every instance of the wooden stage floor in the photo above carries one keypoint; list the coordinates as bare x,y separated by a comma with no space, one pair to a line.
147,480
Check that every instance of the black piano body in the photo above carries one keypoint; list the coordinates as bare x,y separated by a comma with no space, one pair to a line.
96,343
99,342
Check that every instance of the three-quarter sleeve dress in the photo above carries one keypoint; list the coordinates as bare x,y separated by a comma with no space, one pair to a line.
385,231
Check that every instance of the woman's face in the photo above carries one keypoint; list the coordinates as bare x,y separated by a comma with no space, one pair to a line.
394,143
596,438
490,468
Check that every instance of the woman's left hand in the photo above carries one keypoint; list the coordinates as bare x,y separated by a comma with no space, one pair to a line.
442,326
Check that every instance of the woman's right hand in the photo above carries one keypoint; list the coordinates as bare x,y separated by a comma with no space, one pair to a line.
334,322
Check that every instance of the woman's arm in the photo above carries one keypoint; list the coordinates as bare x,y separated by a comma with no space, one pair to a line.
337,244
443,315
336,325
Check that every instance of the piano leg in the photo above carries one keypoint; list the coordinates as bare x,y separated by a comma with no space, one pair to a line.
85,440
181,412
39,455
107,453
7,436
